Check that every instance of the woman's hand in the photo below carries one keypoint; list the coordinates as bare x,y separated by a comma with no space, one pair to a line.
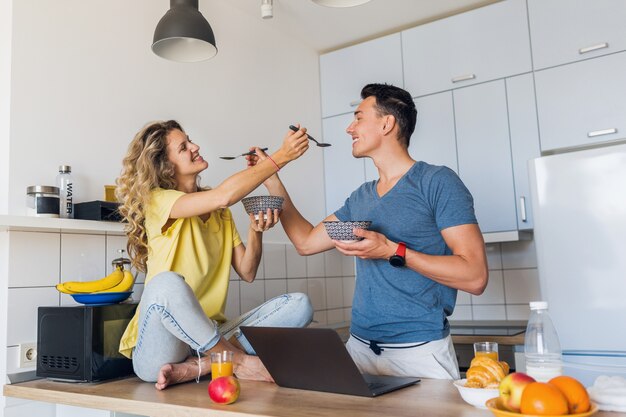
264,221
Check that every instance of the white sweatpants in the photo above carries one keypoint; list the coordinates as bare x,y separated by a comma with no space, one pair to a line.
435,359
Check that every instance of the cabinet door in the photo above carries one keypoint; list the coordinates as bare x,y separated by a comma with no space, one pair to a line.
342,172
520,92
481,45
434,140
565,31
582,103
482,132
345,72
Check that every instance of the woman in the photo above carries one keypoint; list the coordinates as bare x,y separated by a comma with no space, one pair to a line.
184,238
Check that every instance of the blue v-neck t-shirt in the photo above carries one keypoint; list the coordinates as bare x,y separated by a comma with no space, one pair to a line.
399,305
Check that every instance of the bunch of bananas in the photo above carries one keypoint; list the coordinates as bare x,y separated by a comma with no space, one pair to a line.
120,280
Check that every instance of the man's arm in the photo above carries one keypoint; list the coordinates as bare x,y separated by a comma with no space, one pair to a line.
466,269
307,239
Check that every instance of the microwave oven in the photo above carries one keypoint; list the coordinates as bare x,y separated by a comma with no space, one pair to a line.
80,343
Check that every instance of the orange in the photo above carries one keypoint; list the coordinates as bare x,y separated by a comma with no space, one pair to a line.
543,399
575,393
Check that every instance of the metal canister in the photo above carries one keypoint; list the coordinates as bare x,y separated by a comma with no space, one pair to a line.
42,201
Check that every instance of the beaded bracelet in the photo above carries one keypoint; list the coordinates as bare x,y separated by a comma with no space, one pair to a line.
274,162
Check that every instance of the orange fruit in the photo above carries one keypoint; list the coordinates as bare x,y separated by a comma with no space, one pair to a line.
543,399
574,392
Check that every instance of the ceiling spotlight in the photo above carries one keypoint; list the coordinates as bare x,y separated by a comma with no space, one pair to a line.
183,34
340,3
267,9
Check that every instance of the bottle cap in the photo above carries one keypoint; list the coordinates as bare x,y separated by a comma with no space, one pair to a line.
65,168
538,305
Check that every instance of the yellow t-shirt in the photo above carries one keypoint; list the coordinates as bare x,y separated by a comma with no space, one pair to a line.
199,251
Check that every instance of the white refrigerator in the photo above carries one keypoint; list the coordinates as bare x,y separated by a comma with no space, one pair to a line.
579,204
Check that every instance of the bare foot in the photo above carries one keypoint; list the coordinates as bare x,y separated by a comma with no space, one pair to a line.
252,368
175,373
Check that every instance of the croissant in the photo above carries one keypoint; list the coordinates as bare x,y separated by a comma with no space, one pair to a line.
485,372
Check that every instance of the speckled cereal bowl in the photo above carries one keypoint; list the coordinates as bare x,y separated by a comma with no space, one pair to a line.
343,230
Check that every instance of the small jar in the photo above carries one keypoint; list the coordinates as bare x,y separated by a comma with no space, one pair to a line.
42,201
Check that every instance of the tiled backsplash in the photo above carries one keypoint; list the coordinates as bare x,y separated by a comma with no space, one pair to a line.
40,260
513,282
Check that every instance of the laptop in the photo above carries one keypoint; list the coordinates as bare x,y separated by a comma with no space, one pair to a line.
316,359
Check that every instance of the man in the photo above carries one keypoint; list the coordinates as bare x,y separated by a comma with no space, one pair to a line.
423,245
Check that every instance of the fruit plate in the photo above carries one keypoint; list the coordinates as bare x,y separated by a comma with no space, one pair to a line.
475,396
495,407
101,298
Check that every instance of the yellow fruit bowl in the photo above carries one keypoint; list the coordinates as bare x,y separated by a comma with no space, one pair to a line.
496,408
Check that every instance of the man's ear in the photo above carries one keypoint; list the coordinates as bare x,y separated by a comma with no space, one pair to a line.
389,124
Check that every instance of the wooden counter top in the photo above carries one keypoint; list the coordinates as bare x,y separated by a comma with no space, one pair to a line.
434,398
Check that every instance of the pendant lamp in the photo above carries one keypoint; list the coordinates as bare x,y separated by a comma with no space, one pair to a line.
183,34
340,3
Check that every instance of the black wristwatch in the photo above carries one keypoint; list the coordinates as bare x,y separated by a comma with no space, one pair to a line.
398,260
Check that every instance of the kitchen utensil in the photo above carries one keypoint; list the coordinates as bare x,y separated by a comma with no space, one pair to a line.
228,158
320,144
338,230
101,298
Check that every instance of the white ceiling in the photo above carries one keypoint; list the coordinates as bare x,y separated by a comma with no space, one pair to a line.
326,28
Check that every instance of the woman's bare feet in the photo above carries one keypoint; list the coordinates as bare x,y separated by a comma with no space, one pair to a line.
175,373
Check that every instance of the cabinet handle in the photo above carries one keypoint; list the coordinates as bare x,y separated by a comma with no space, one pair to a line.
463,78
355,103
593,48
522,203
601,132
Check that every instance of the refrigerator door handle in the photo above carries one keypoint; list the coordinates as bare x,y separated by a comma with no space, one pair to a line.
602,132
522,203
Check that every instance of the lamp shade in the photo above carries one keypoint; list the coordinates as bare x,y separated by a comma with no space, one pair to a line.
183,34
340,3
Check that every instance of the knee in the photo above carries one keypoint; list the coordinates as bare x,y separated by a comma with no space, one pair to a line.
165,283
303,304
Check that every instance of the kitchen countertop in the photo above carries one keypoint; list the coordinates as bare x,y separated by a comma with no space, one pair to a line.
437,398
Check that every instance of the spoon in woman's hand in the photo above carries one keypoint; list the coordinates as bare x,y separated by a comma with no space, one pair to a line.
320,144
228,158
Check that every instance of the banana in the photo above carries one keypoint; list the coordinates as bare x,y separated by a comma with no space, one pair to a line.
125,285
110,281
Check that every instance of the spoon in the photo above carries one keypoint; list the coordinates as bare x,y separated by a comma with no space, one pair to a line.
320,144
228,158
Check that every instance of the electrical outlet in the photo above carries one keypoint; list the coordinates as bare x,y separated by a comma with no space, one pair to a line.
28,355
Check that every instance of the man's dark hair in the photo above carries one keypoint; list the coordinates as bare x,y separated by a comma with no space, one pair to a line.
392,100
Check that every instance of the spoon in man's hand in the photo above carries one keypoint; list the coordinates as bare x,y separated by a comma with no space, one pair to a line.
320,144
228,158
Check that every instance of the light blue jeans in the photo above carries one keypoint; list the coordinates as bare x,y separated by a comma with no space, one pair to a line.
173,326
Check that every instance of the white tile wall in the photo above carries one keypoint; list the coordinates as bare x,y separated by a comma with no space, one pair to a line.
513,283
327,278
83,257
39,263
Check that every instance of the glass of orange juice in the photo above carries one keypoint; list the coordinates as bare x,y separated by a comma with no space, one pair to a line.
489,349
221,364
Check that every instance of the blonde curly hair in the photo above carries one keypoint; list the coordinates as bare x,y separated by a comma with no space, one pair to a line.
144,168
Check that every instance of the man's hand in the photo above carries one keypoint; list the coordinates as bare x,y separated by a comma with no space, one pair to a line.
374,246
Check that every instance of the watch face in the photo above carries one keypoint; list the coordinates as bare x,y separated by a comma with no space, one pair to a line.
397,261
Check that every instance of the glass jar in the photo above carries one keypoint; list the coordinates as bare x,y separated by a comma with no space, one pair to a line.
42,201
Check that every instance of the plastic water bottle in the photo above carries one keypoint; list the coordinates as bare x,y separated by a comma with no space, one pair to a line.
542,349
66,192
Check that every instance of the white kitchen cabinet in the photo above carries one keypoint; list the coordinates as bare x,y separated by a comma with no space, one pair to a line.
481,45
342,172
484,152
524,131
434,140
345,72
564,31
582,103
